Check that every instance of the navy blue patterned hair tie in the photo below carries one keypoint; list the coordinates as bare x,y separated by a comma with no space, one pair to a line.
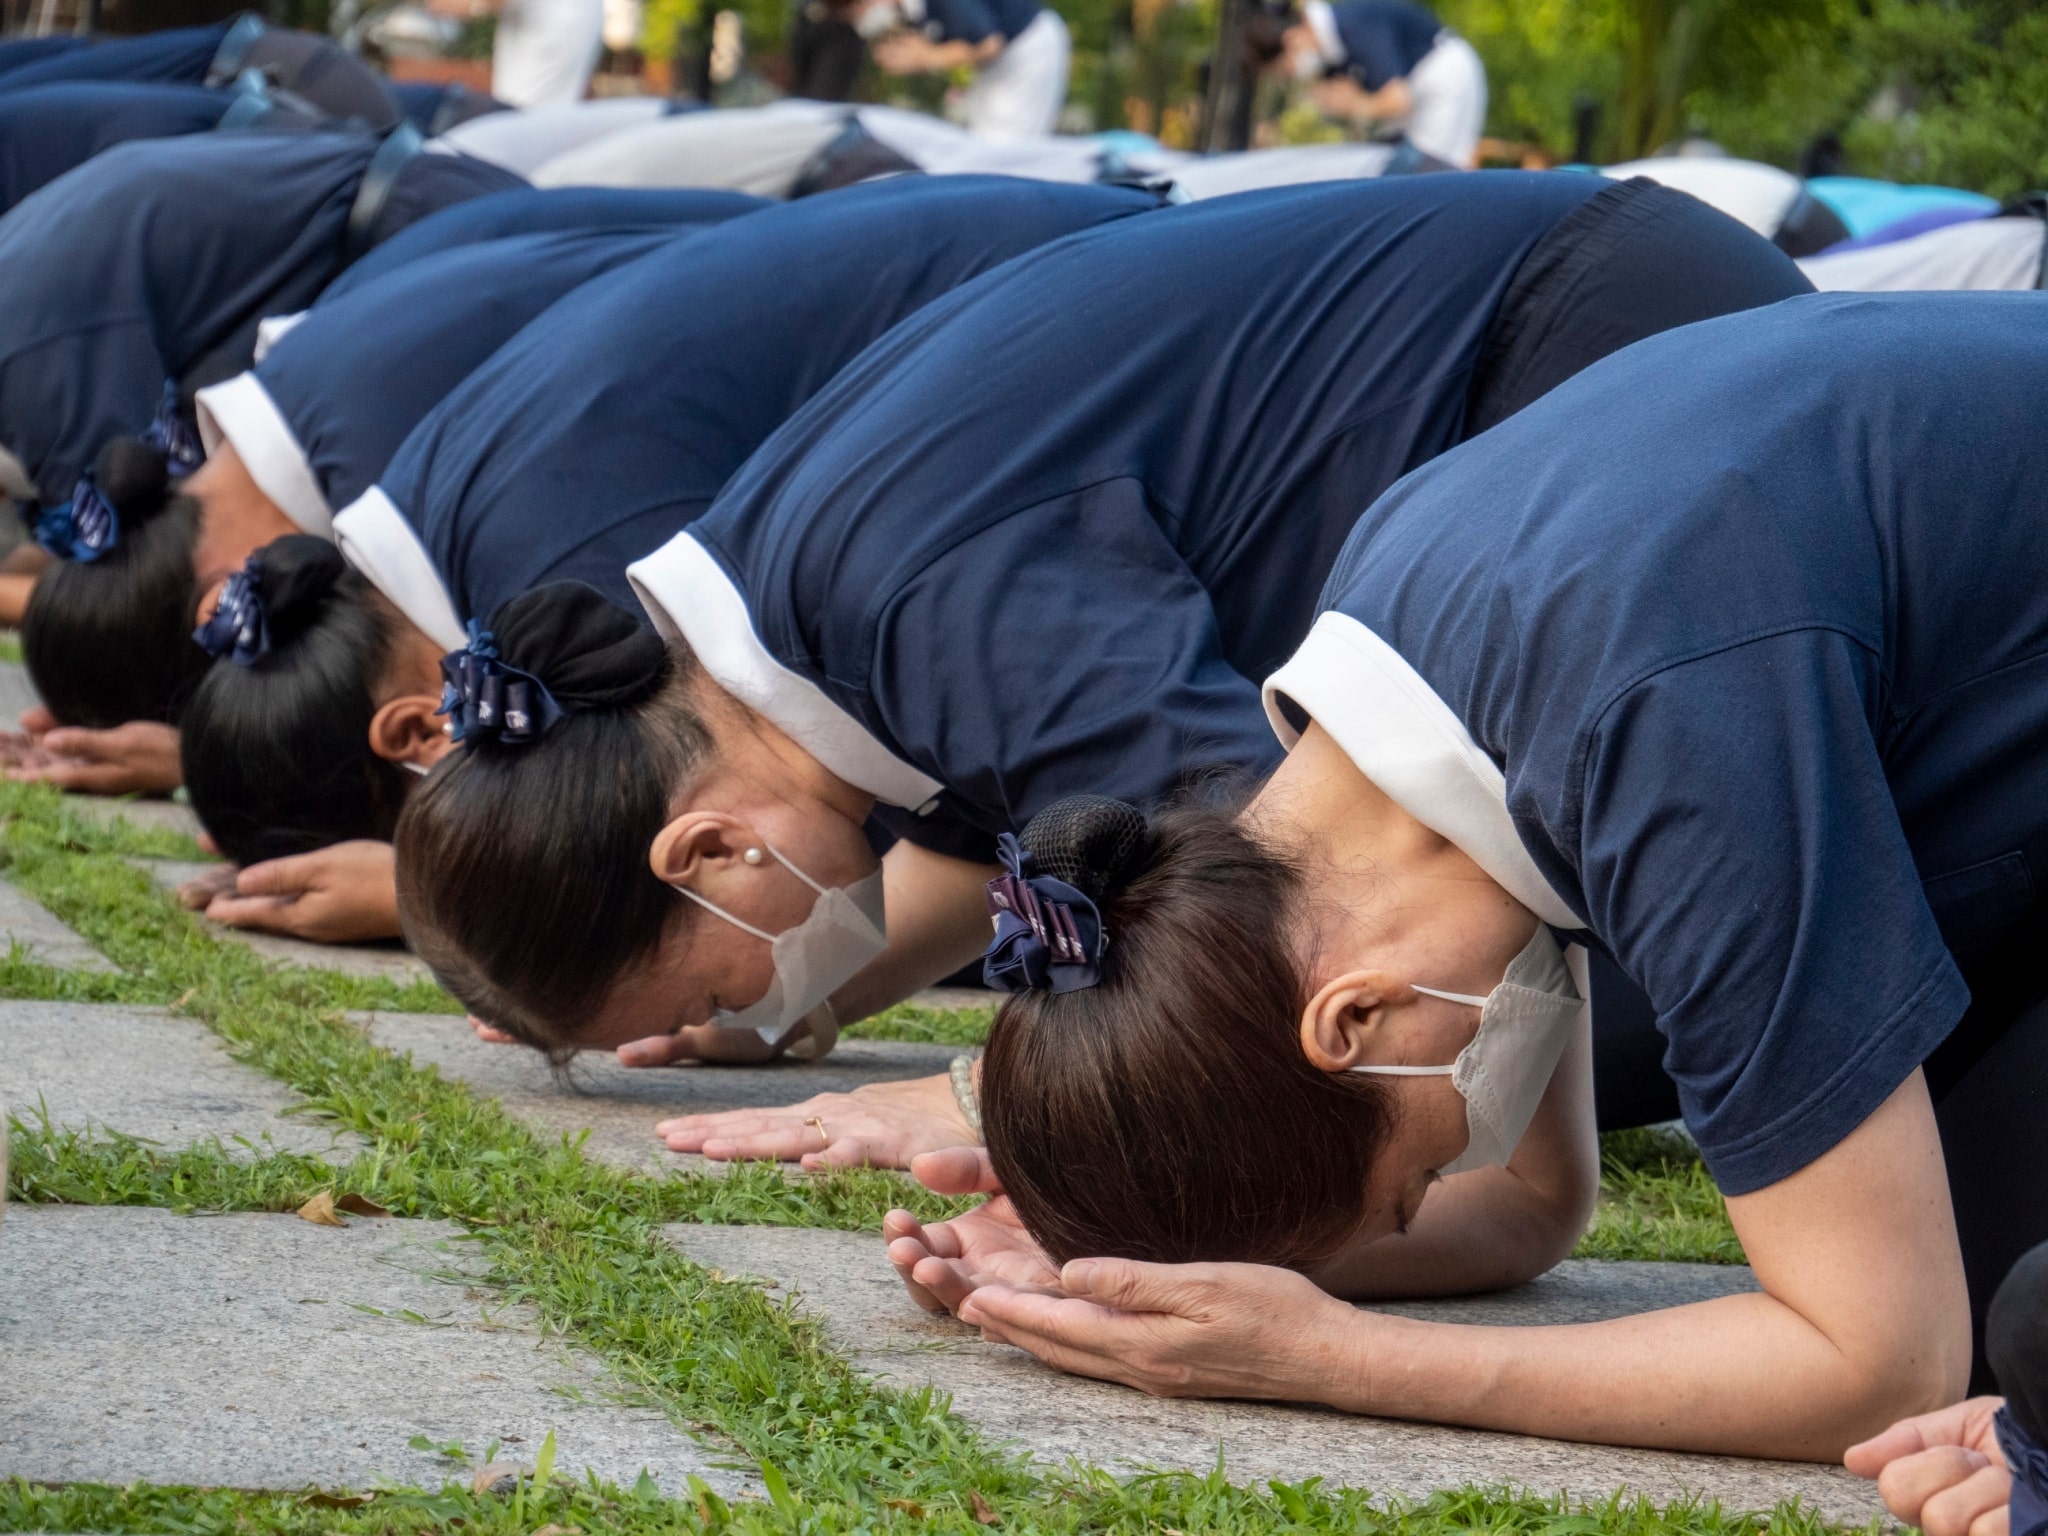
81,529
1049,935
482,696
2029,1464
171,435
239,628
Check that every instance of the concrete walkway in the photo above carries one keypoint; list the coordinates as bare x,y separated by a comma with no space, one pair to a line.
845,1278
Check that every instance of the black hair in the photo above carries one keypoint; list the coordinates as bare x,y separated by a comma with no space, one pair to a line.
276,751
110,640
1169,1113
1264,33
522,866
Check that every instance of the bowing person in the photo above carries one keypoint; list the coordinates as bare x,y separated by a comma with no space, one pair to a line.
1746,688
1019,50
596,433
309,428
143,274
992,563
1382,61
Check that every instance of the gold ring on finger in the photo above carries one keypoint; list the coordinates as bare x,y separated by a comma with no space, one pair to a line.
824,1136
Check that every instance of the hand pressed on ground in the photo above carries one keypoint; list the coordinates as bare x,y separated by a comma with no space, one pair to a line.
139,758
878,1125
346,894
943,1263
1942,1471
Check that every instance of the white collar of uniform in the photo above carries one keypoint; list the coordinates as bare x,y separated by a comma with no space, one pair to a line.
1322,21
691,599
241,413
376,539
14,481
272,329
1405,739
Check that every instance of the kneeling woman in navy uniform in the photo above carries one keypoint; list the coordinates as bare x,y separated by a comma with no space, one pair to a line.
993,563
1730,666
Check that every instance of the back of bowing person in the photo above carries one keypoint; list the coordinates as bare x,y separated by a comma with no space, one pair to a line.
152,264
995,562
1743,690
590,437
313,68
1382,62
309,428
53,129
1019,50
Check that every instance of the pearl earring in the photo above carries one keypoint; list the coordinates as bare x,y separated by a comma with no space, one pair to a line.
752,855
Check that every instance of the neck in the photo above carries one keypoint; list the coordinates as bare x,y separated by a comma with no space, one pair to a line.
754,758
413,663
1378,878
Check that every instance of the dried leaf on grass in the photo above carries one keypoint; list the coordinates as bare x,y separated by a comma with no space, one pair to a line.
359,1205
320,1210
908,1507
984,1512
494,1474
321,1499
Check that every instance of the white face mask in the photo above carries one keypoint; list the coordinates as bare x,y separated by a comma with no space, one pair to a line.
1524,1025
879,20
846,929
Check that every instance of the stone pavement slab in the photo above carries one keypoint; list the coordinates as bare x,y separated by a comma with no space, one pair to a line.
17,693
27,922
844,1277
152,815
265,1352
147,1073
390,961
620,1105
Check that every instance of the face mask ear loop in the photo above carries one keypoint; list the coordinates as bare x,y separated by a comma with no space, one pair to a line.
1449,997
1406,1071
807,880
711,906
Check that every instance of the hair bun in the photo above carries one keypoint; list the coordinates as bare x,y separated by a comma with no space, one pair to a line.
133,476
587,651
1092,842
296,573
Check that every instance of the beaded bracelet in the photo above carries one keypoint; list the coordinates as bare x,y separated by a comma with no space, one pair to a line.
963,1091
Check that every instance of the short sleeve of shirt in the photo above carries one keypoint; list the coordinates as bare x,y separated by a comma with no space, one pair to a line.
1025,679
1742,856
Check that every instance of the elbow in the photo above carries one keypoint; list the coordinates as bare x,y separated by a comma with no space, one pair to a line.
1914,1371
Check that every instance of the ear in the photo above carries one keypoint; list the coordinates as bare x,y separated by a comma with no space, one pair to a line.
699,849
1348,1022
409,729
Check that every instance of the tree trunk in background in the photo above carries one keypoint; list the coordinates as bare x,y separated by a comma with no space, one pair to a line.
1660,61
1227,111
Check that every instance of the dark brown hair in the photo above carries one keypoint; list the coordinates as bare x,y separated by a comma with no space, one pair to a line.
522,868
110,640
276,754
1169,1114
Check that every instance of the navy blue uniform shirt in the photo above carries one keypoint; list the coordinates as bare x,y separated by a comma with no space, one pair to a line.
1041,539
1734,650
317,421
535,210
52,129
154,261
972,21
1383,39
615,419
181,56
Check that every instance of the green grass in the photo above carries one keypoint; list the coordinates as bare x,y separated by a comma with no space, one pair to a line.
580,1242
929,1026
